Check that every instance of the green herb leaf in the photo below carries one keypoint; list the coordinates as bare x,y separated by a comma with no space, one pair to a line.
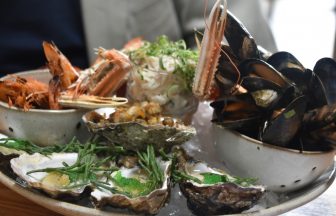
148,162
132,186
185,59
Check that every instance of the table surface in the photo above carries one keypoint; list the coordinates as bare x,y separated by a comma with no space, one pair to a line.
12,203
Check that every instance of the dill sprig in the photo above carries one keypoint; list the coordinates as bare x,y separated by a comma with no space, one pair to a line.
186,59
19,144
149,163
179,175
87,168
73,146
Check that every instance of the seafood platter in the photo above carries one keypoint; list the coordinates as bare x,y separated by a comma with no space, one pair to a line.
225,129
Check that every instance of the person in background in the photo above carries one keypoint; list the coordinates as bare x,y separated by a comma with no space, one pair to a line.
77,27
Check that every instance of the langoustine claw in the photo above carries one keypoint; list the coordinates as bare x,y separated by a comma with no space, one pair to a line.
210,51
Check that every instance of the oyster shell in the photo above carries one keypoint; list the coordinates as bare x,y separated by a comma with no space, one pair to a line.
7,153
216,192
150,203
52,183
136,135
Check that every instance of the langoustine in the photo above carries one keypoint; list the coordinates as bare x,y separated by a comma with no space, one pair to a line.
88,88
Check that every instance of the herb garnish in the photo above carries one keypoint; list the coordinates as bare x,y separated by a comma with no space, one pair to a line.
149,163
87,167
19,144
214,178
185,59
133,187
177,174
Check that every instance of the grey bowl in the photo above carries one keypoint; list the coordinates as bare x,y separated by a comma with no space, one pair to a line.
42,127
280,169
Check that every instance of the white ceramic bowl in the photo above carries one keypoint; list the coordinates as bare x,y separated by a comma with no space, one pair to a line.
280,169
42,127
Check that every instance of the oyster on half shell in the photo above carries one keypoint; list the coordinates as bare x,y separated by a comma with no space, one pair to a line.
137,134
129,195
53,183
211,191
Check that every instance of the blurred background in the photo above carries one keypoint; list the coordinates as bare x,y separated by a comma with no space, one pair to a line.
306,28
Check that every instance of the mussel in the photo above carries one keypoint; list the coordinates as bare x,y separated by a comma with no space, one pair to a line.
283,90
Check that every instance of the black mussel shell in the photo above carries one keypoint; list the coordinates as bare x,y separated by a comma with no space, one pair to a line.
298,77
264,54
305,141
325,69
307,83
281,129
322,138
239,39
316,93
319,117
265,93
260,68
237,112
288,95
284,60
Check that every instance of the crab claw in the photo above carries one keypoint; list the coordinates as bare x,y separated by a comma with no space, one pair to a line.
59,65
210,51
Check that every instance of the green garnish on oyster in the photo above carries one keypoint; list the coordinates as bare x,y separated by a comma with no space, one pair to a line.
146,179
214,178
132,187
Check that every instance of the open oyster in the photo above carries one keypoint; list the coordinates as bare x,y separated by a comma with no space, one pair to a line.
6,153
6,149
53,183
137,126
131,188
211,191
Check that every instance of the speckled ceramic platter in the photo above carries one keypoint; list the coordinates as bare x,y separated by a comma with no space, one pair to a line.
271,204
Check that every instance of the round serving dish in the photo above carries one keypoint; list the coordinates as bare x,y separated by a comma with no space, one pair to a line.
42,127
279,169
